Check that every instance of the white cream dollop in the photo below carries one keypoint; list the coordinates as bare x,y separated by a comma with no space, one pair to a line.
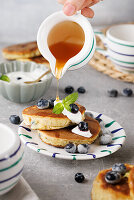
77,131
75,118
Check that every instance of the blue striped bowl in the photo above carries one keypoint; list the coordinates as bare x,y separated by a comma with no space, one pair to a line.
11,159
120,46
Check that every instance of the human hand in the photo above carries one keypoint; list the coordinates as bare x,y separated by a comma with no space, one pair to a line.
70,7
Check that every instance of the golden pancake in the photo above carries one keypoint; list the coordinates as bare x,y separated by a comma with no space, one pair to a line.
46,120
38,59
61,137
24,50
124,190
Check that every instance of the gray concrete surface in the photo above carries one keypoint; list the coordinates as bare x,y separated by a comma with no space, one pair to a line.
53,179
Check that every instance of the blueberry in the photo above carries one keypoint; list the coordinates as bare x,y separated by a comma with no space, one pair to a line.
83,126
112,93
105,139
89,114
79,177
19,78
120,168
83,148
98,119
42,104
70,148
14,119
127,92
74,108
69,89
102,125
106,131
81,90
112,177
51,102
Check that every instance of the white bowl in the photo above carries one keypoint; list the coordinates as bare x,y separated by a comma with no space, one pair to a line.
22,93
11,159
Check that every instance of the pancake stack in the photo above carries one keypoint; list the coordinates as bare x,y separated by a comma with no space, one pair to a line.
24,52
124,190
55,129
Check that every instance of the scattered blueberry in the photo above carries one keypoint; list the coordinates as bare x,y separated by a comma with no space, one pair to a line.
69,89
83,126
51,102
79,177
120,168
127,92
70,148
83,148
105,139
102,125
112,93
19,78
98,119
42,104
106,131
14,119
90,114
112,177
74,108
81,90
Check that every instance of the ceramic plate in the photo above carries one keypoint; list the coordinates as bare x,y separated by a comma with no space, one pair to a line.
32,140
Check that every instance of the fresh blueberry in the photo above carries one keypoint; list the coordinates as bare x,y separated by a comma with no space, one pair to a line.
112,177
79,177
102,125
81,90
105,139
106,131
127,92
69,89
51,102
120,168
74,108
14,119
19,78
83,148
70,148
89,114
112,93
98,119
83,126
42,104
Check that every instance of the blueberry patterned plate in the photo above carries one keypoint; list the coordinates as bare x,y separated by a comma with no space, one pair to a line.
32,140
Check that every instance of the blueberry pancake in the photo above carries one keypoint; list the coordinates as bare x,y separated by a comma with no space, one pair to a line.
45,119
38,59
61,137
24,50
123,190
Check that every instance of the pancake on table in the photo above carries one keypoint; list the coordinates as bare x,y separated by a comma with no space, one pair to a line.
23,50
61,137
47,120
38,59
124,190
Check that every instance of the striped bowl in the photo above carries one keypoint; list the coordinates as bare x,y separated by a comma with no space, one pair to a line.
120,46
11,159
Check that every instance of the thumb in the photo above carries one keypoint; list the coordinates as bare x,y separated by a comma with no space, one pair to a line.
71,6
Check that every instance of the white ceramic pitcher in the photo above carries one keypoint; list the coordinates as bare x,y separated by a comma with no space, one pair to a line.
78,60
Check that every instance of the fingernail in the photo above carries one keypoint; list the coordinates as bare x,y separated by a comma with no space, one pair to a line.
69,9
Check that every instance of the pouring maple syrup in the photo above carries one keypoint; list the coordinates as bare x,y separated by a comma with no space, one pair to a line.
65,40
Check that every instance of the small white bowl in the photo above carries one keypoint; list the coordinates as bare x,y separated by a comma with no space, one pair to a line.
11,158
22,93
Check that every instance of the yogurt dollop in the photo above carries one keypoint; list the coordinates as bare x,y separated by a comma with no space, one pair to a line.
77,131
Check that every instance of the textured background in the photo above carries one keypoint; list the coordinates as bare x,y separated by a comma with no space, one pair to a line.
53,179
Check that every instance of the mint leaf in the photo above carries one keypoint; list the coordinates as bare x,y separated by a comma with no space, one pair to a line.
58,108
5,78
70,99
67,107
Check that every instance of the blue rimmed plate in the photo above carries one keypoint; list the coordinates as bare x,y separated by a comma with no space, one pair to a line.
31,138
